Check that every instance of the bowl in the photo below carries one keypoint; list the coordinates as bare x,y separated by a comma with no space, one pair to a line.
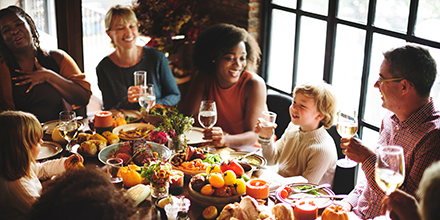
163,151
205,201
293,198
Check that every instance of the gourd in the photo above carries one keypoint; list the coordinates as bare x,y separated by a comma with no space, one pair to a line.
334,212
130,176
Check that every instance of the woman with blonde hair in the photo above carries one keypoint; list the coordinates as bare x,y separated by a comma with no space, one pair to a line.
20,143
115,71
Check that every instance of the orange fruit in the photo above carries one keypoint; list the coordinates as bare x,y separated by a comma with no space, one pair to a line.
207,190
216,180
210,212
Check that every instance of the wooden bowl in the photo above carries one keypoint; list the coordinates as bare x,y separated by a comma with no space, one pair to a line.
152,119
205,201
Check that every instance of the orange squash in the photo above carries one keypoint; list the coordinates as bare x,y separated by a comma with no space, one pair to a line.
334,212
130,176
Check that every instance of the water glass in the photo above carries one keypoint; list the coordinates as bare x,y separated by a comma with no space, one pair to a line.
140,78
267,127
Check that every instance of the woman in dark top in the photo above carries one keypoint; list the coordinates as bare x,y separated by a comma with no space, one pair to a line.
32,79
115,71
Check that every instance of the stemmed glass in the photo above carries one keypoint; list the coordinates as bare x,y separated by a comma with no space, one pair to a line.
347,126
68,126
390,169
147,97
208,115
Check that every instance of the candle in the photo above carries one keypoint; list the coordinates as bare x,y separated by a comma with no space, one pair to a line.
259,189
103,121
305,210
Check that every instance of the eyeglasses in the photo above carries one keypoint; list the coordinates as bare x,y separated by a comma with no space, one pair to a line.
382,80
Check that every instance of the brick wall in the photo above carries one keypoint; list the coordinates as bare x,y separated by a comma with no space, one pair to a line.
242,13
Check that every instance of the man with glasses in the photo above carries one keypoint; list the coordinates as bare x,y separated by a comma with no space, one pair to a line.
405,80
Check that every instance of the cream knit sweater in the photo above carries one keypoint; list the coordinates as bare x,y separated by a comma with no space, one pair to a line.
309,154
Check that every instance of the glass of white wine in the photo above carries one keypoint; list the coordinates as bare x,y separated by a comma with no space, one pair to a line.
347,126
147,97
68,125
207,116
390,169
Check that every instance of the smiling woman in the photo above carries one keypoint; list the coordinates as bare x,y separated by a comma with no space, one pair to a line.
225,57
32,79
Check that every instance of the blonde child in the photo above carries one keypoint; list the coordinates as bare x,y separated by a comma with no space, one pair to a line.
306,148
20,143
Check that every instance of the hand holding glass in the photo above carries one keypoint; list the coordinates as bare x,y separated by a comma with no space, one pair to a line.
207,114
113,166
267,127
347,126
68,126
147,97
390,168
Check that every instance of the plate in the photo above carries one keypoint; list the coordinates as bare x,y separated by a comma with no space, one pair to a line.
128,127
195,136
292,198
73,146
136,115
49,149
50,125
163,151
254,159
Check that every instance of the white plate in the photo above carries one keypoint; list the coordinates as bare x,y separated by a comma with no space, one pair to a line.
292,198
195,136
50,125
163,151
129,127
49,149
136,115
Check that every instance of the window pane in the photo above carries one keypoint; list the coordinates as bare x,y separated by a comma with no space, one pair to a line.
347,69
355,11
370,137
311,50
280,65
428,16
373,109
435,91
285,3
315,6
43,14
392,15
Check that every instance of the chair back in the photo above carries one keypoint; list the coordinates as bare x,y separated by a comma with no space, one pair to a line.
345,178
280,103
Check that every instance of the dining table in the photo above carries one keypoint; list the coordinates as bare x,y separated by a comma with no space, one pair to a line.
148,210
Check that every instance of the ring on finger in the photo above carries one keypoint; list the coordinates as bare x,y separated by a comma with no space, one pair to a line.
135,99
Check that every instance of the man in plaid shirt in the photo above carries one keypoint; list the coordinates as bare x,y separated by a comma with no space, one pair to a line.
405,80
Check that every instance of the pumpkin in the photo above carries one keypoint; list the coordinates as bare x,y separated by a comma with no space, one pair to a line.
130,176
334,212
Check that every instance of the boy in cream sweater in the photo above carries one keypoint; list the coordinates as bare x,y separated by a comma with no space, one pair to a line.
306,149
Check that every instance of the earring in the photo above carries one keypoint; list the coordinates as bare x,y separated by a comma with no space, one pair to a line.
213,61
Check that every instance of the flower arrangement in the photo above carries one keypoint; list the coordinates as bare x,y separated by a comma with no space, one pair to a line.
157,173
165,19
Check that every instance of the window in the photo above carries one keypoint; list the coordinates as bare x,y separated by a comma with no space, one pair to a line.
342,42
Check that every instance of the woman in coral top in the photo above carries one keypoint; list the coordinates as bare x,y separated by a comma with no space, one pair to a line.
225,57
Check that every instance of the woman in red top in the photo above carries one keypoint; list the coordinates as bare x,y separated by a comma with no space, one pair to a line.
225,57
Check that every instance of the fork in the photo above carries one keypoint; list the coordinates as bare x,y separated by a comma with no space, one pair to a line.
296,190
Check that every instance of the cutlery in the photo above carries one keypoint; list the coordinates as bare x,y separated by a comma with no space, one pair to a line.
248,154
296,190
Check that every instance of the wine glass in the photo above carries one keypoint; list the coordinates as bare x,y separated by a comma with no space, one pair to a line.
347,126
208,116
68,126
147,97
390,169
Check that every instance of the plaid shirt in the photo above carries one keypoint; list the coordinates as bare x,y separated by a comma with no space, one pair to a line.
419,135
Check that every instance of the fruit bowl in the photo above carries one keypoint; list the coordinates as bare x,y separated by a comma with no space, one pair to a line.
205,201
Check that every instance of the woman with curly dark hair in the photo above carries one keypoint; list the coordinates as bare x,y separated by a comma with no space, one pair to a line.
32,79
226,57
82,194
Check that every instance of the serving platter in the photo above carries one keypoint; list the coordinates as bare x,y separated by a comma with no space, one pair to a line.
293,197
49,126
129,127
134,114
49,149
163,151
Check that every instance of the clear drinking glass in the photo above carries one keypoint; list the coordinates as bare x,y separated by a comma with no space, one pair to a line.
68,125
390,169
267,127
113,166
208,116
347,126
147,97
140,79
